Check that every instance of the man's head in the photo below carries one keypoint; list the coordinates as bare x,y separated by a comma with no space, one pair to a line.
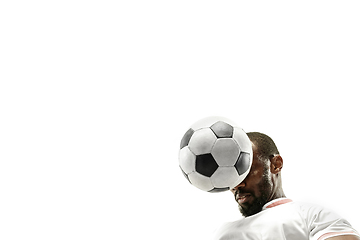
263,182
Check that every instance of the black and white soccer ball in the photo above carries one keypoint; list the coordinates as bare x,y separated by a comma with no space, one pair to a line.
215,154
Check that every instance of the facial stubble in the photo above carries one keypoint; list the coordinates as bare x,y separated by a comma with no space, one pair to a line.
259,202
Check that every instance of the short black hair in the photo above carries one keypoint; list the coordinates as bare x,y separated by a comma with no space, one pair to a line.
265,145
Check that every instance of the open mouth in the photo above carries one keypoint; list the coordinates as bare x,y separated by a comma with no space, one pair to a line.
243,198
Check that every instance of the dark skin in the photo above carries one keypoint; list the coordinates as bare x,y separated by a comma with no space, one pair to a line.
260,189
263,184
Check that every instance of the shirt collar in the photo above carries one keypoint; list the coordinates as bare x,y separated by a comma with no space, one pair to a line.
276,202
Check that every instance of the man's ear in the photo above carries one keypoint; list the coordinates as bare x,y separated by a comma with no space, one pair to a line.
276,164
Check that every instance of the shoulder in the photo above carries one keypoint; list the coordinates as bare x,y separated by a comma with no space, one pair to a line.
313,214
322,221
309,210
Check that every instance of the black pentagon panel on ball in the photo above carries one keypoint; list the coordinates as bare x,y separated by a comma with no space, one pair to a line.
205,164
222,129
243,163
216,190
186,138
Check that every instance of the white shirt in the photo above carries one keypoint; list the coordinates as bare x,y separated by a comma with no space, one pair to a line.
283,219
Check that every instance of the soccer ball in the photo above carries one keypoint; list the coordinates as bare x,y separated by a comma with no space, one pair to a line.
215,155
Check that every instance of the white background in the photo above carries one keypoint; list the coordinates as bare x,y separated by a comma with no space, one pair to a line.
96,95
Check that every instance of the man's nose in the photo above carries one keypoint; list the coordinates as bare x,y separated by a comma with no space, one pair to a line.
241,185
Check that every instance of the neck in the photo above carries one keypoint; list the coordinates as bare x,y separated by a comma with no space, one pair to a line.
278,192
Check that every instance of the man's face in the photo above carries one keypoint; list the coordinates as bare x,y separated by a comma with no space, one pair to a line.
252,193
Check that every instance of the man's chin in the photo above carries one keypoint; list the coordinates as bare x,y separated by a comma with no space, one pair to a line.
250,210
